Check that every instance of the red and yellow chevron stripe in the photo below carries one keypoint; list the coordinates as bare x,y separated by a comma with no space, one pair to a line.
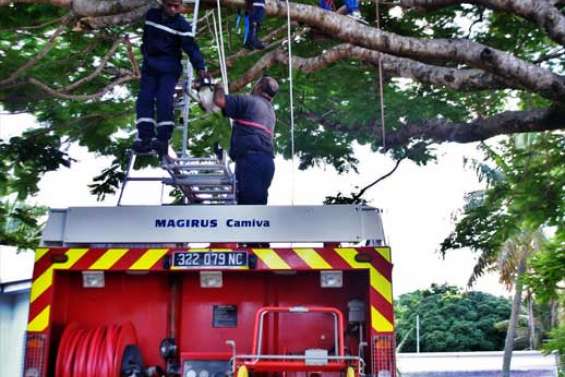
376,260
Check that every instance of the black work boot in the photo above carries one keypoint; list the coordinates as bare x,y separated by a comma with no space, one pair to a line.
160,146
142,146
256,42
250,36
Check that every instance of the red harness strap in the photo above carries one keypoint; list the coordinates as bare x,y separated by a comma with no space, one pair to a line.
249,123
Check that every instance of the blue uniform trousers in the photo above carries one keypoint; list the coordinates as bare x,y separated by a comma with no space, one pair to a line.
257,12
156,92
350,5
254,173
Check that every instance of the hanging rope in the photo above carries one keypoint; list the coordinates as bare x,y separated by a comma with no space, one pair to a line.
291,95
381,90
222,49
219,39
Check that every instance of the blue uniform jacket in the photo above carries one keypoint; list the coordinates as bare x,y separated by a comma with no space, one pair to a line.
164,39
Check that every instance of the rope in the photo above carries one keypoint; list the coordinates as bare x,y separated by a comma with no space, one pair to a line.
218,37
291,95
222,48
381,90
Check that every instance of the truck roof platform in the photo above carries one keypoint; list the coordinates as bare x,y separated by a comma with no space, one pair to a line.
142,225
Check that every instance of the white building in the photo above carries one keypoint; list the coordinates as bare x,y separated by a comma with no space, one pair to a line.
15,283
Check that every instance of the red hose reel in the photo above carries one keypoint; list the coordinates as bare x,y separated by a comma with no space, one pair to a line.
93,352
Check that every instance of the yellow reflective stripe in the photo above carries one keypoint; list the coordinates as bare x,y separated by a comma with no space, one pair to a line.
41,284
377,280
44,281
148,259
73,256
385,253
379,322
271,259
313,259
41,321
40,252
381,284
108,259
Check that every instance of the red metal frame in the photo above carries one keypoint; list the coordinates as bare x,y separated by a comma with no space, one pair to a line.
290,309
265,365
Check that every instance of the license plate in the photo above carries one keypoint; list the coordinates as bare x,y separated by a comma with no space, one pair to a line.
210,259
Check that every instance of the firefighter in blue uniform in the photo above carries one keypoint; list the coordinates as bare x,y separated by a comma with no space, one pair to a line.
256,13
166,34
251,145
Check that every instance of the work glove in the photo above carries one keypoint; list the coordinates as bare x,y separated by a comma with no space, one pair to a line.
204,79
206,98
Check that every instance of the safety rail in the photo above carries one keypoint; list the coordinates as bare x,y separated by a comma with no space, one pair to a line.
262,312
313,360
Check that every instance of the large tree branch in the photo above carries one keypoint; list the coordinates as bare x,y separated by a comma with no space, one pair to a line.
466,79
497,62
444,130
97,71
31,62
84,97
131,15
542,12
57,3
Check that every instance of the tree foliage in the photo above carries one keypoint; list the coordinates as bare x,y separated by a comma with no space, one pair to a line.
451,320
525,180
547,277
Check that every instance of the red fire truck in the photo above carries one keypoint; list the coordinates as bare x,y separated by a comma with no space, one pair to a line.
212,291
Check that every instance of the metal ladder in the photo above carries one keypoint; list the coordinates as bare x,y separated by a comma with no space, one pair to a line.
208,180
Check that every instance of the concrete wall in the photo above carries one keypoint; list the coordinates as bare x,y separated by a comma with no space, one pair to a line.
13,320
475,364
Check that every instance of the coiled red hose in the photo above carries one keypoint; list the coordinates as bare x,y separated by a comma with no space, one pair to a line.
93,352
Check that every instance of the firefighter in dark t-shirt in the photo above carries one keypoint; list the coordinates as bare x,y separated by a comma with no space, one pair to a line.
251,145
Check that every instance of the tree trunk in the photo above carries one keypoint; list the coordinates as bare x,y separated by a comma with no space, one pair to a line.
532,322
511,333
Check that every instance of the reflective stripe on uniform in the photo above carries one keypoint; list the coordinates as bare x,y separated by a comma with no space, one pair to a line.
262,5
165,123
249,123
148,120
169,30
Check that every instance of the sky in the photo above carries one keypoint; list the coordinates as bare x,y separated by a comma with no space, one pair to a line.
417,203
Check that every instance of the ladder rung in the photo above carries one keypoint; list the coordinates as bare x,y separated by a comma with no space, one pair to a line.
197,180
199,159
210,192
197,167
142,179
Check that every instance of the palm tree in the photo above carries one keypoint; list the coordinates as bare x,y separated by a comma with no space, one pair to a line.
521,241
512,264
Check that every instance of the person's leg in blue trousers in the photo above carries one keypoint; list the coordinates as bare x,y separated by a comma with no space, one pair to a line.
165,96
254,174
256,17
145,105
351,6
326,5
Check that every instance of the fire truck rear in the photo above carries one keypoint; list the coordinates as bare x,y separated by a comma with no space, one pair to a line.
202,291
